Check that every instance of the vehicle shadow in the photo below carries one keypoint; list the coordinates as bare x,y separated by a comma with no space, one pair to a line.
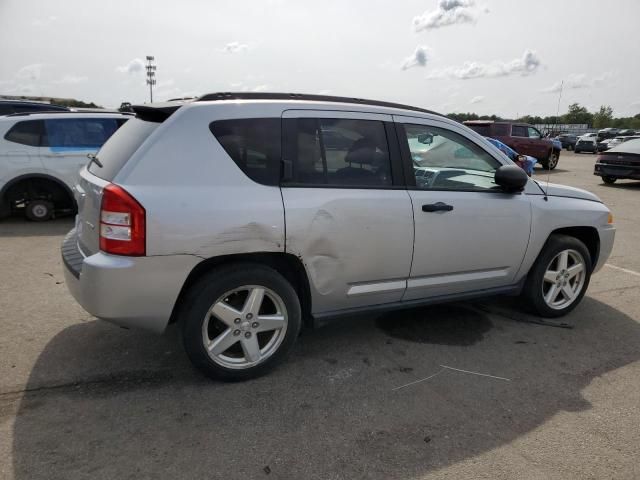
623,184
103,402
20,227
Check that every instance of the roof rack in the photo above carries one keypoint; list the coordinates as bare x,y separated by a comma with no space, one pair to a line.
303,96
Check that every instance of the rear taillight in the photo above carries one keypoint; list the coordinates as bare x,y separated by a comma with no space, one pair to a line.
122,223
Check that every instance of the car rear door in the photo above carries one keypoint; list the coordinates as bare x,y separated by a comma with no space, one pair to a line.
348,215
469,235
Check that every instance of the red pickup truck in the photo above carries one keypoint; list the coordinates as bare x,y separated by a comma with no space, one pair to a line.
523,138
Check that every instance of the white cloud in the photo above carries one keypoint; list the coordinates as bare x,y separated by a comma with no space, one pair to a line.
417,59
477,99
43,22
235,47
324,92
71,80
526,65
448,12
134,66
578,81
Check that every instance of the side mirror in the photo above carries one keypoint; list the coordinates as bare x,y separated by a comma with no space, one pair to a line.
425,138
511,178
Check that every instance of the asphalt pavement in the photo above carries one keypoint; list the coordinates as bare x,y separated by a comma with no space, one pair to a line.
465,390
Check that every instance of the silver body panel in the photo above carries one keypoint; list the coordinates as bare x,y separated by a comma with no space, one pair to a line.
359,247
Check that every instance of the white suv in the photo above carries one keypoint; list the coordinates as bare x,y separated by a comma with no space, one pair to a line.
41,154
243,216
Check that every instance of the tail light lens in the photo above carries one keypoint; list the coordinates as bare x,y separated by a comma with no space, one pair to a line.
122,223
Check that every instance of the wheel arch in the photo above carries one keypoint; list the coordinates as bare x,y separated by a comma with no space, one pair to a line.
40,176
587,235
287,265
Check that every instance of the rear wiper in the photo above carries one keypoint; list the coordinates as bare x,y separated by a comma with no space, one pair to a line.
93,159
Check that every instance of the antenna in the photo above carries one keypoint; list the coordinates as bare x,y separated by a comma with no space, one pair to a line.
555,125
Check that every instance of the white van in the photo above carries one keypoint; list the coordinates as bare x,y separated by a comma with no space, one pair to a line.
40,155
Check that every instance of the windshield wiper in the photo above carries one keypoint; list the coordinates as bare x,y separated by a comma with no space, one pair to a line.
93,159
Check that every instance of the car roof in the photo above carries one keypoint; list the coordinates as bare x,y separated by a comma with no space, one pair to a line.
56,114
630,146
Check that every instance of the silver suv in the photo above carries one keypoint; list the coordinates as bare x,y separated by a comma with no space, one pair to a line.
244,217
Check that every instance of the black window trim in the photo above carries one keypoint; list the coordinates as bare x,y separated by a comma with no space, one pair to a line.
289,131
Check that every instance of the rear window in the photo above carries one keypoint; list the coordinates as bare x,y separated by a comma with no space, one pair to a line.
484,130
120,147
254,144
79,133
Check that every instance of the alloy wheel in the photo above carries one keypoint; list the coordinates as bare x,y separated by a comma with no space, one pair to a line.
244,327
563,279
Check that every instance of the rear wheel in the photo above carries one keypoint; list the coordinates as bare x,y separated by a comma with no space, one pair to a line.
559,278
239,322
609,180
39,210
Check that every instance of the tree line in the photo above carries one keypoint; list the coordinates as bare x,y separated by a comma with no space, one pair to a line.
576,113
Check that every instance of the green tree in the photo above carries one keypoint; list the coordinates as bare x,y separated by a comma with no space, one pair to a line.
603,117
577,114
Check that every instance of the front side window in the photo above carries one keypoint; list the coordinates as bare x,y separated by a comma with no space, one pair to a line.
338,152
445,160
254,144
533,133
79,133
29,132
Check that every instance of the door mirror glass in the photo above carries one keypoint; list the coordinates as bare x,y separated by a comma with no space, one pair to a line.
511,178
425,138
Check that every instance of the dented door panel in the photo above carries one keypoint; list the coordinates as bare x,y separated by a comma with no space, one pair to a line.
355,244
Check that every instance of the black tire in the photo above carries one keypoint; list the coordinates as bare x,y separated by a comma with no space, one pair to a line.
609,180
211,288
552,160
39,210
532,292
575,150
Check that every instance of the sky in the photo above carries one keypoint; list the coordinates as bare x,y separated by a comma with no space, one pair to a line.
507,57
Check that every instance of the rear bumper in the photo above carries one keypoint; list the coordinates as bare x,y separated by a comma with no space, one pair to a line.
618,171
607,235
138,292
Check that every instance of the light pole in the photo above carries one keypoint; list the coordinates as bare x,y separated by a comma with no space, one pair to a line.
151,74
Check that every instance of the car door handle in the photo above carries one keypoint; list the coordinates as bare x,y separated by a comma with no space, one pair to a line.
437,207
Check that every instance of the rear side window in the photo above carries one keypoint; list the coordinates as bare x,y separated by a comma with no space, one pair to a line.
484,130
519,131
254,144
79,133
120,147
337,152
501,129
29,132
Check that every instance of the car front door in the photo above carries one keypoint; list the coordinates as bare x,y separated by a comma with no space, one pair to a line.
539,144
469,235
348,215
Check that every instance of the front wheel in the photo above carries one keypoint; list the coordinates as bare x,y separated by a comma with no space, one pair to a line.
559,278
239,322
609,180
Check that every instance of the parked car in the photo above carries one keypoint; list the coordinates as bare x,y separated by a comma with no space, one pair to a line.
523,138
228,216
625,133
607,133
586,144
40,155
568,140
7,107
603,145
620,162
614,142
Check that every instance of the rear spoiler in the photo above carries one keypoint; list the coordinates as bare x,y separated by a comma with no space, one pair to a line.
156,114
